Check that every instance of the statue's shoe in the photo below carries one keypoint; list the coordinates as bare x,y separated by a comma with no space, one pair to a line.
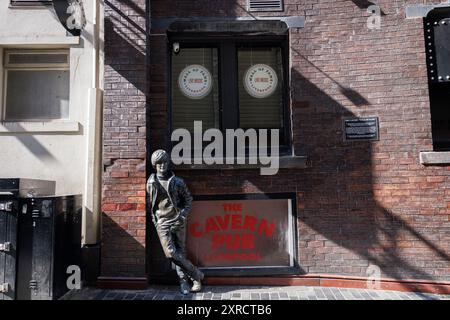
184,287
200,275
196,286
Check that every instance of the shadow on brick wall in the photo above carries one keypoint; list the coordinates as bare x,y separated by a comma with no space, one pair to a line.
339,204
123,53
124,138
122,254
343,229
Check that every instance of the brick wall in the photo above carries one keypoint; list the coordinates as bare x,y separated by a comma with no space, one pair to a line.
125,102
360,203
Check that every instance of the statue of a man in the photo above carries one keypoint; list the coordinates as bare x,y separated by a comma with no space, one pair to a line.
171,202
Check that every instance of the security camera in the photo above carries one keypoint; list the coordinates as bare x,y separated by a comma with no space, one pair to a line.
176,47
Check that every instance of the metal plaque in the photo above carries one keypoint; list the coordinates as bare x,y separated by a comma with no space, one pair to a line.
361,129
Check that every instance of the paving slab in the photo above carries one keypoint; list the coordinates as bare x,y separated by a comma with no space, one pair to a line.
249,293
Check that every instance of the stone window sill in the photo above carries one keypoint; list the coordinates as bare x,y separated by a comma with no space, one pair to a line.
286,162
36,127
40,40
421,10
430,158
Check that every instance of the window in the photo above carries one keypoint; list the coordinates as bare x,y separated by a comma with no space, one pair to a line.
440,116
36,85
189,104
230,83
253,112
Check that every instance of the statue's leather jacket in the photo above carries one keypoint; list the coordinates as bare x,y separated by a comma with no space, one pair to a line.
179,195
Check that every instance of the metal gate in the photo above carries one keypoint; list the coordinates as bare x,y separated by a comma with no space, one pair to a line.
8,246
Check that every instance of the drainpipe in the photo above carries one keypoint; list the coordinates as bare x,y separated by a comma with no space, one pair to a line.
91,226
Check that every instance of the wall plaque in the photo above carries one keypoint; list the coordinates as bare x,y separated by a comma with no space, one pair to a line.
260,81
361,129
195,81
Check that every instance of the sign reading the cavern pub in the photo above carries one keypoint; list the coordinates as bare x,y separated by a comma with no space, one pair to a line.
240,233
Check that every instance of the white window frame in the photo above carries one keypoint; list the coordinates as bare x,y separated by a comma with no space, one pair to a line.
2,83
6,66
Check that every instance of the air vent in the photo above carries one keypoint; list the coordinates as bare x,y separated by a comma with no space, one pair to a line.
30,2
265,5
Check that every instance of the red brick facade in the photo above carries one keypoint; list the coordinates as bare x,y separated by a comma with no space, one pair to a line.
359,203
124,155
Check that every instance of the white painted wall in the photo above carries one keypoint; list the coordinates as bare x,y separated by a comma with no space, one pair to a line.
61,151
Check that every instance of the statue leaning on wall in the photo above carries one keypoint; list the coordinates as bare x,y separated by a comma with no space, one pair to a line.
170,202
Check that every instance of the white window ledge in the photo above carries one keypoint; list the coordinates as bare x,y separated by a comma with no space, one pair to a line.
39,40
435,158
50,126
422,10
286,162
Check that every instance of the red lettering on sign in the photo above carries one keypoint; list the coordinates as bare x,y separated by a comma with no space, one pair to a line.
236,222
250,223
248,241
211,225
233,241
264,226
232,222
237,207
256,256
218,240
193,230
223,221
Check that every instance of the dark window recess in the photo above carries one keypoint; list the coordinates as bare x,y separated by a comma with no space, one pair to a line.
265,5
31,2
437,44
235,93
440,116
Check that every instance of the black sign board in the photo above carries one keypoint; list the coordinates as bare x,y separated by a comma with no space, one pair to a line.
361,129
437,44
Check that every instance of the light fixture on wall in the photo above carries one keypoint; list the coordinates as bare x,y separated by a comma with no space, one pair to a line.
176,47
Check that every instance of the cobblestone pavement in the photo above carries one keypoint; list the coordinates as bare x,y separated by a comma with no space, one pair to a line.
249,293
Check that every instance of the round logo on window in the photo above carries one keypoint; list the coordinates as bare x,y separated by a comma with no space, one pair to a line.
195,81
260,81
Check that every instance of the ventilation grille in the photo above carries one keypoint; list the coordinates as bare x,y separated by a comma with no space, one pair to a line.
265,5
18,3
